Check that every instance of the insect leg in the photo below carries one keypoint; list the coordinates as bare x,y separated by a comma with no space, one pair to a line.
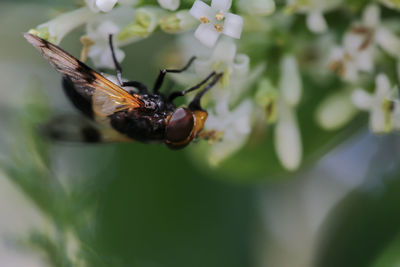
142,88
163,72
195,103
176,94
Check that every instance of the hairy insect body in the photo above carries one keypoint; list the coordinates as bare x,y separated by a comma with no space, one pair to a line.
122,115
145,125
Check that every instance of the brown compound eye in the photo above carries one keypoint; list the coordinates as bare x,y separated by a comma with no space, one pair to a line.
180,126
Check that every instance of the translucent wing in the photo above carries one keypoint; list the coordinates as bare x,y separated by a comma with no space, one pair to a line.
106,97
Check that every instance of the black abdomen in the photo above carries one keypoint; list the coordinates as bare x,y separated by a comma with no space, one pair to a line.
139,125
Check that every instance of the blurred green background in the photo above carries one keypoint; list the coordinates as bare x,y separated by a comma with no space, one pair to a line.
147,206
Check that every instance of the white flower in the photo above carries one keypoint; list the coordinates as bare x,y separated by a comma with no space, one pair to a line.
314,10
352,58
169,4
235,126
215,20
380,104
98,31
359,44
223,58
288,143
257,7
55,30
107,5
100,52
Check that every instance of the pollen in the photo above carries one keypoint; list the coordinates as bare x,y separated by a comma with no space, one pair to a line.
219,16
218,27
204,20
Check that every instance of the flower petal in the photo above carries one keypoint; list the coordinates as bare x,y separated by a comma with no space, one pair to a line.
236,125
241,64
290,81
63,24
106,5
362,99
371,16
388,42
377,120
225,51
316,22
382,84
221,5
233,25
169,4
207,34
335,111
287,139
365,60
201,9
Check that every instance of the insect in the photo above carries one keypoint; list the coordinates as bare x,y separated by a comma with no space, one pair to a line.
142,115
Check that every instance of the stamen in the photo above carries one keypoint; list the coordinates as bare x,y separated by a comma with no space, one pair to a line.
218,27
86,43
220,16
204,20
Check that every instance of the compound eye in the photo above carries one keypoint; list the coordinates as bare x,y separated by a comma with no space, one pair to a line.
180,125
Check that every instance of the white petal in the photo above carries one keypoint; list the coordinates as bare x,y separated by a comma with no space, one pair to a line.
201,9
388,42
106,28
106,5
221,5
287,139
224,51
186,21
236,131
241,65
362,99
365,60
382,84
203,67
92,5
335,111
352,43
377,120
233,25
336,54
63,24
290,81
169,4
207,34
316,22
351,71
372,16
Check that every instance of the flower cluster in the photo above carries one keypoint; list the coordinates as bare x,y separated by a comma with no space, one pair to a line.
264,58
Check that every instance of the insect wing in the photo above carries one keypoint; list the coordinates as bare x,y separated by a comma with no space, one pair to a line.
106,96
